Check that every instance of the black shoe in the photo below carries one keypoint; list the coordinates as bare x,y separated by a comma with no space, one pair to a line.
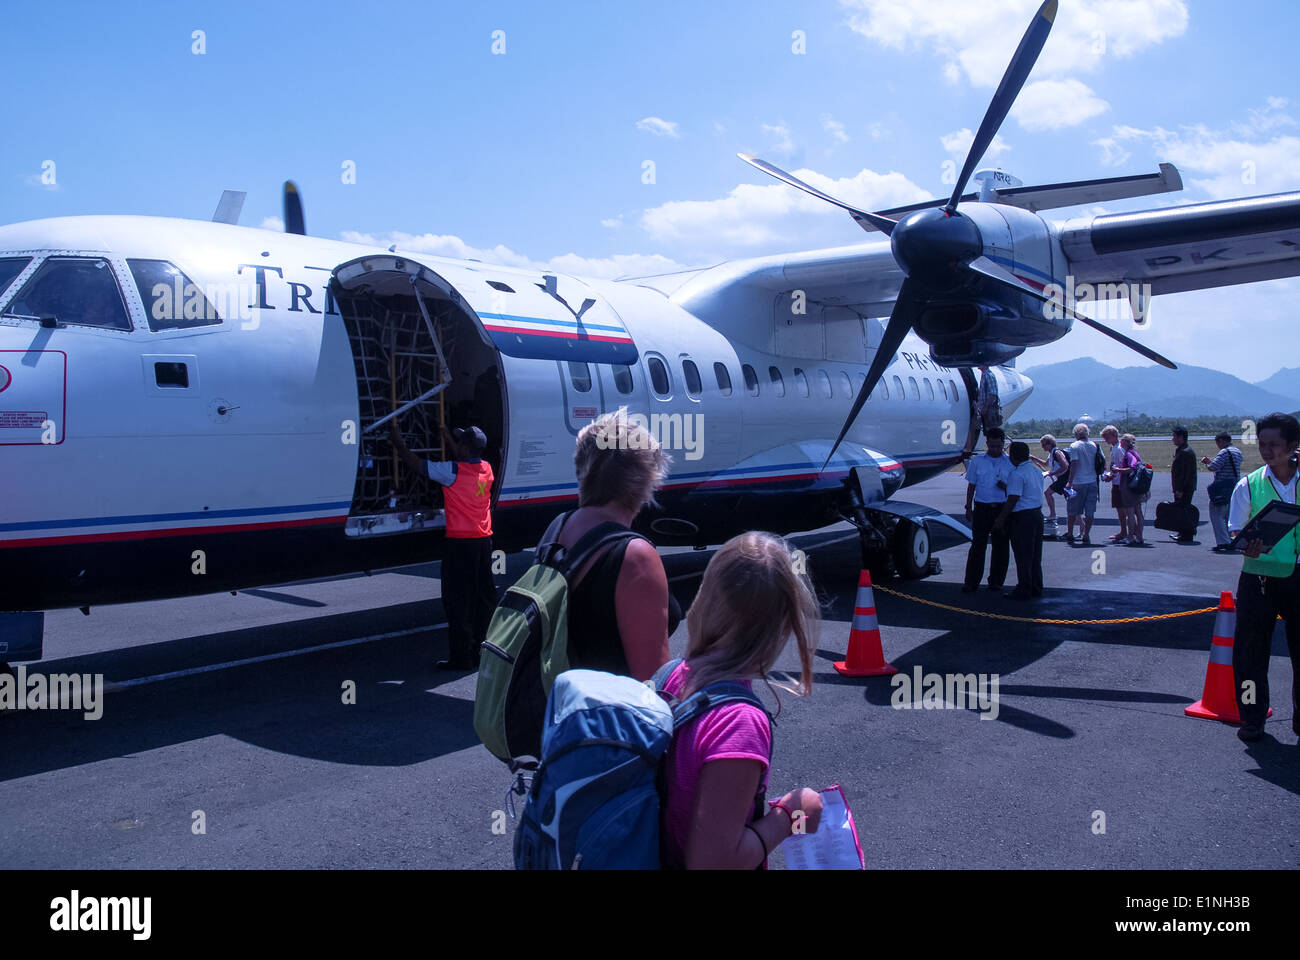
967,588
1250,734
995,587
1086,541
1036,593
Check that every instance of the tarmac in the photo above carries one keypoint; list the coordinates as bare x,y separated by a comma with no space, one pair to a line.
225,741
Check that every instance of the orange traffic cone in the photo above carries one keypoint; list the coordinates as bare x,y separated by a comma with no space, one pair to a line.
865,657
1219,701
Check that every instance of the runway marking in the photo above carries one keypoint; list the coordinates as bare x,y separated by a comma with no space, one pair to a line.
157,678
811,546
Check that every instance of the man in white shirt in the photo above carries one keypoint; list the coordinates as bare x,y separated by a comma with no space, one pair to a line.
1269,585
986,491
1022,517
1081,504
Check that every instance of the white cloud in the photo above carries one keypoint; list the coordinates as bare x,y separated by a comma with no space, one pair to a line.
977,40
834,128
660,128
613,223
958,144
779,139
1053,104
443,245
1248,159
272,223
776,217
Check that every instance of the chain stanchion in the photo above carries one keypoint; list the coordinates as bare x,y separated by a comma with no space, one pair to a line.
1047,620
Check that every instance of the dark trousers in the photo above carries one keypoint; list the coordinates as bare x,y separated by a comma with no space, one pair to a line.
1025,528
982,517
1258,606
469,596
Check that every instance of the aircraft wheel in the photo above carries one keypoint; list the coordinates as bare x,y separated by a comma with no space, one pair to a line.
912,550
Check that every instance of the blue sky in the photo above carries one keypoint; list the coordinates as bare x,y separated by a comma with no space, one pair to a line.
536,155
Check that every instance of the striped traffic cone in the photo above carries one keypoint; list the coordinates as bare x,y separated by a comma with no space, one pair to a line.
1219,700
865,657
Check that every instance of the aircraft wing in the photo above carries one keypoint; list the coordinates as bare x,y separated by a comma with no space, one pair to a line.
1190,247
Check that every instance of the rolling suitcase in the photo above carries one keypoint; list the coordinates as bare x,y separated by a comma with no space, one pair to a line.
1177,517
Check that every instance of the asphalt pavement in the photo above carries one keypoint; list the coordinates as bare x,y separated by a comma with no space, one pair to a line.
227,739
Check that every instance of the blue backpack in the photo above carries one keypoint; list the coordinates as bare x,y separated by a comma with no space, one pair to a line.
595,800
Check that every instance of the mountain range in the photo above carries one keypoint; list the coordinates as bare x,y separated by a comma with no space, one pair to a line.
1070,389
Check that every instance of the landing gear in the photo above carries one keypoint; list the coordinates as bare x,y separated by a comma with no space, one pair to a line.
911,550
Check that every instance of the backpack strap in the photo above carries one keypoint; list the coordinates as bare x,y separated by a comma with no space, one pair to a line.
663,673
546,547
592,542
713,696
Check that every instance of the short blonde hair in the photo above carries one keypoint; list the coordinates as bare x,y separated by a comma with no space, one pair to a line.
1110,428
750,602
618,461
1080,431
1047,438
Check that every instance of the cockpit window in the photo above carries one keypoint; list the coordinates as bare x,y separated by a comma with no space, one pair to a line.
171,300
78,290
10,267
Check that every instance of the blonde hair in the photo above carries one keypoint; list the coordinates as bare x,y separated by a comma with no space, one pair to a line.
618,461
1132,440
1110,428
750,601
1047,438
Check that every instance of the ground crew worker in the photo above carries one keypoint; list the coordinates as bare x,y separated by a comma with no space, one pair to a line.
986,486
1022,517
469,593
1270,582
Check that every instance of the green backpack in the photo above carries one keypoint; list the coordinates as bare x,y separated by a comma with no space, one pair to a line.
528,643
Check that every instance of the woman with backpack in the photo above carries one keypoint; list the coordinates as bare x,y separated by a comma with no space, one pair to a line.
619,601
749,604
1057,465
1130,502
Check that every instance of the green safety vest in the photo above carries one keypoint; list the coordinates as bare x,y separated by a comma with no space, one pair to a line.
1281,560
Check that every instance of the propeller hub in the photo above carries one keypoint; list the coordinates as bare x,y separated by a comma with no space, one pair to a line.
932,246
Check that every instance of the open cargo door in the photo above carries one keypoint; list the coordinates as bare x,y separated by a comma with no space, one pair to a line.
423,361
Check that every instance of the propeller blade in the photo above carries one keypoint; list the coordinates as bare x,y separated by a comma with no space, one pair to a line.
293,219
1026,55
995,272
900,322
868,221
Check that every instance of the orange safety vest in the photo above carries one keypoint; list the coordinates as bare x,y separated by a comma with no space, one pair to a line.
469,501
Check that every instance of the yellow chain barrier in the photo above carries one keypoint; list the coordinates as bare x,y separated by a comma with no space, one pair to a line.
1003,616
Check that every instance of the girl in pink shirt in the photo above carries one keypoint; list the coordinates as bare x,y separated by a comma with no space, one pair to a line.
749,603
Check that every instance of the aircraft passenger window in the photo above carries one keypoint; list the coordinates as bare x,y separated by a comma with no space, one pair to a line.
847,385
658,376
929,389
943,389
825,382
692,374
498,285
10,267
882,389
898,388
778,383
916,391
953,388
622,378
800,382
80,290
171,300
580,376
751,379
862,382
724,379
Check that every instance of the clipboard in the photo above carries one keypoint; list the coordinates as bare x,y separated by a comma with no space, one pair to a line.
1275,521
